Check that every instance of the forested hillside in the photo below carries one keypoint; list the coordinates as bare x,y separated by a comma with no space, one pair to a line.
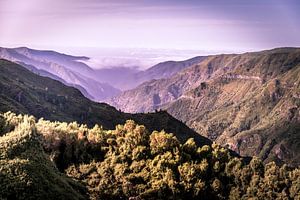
40,159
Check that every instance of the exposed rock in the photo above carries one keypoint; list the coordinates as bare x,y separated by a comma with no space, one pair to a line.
242,101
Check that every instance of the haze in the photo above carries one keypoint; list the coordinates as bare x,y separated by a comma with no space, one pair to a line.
213,26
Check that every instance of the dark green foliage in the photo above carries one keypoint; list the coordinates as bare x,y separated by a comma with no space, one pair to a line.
129,162
2,125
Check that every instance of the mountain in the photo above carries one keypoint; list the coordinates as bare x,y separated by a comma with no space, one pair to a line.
71,69
42,159
120,77
167,69
248,102
44,73
22,91
95,84
128,78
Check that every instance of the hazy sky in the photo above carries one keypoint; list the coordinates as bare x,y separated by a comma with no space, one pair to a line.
185,24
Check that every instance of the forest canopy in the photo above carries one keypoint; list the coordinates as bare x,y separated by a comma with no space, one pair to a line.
44,159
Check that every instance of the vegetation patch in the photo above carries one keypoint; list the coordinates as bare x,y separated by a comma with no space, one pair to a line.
40,159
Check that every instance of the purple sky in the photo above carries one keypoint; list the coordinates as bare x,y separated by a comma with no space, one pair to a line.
211,25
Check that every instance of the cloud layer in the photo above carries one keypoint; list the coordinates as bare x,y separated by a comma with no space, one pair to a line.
173,24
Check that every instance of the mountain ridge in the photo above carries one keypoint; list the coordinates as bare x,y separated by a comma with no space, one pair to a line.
216,99
99,84
24,92
67,67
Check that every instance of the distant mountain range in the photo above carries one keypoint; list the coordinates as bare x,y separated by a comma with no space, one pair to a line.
128,78
24,92
68,68
249,102
95,84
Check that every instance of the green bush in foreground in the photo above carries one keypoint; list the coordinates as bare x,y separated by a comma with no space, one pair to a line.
128,162
26,171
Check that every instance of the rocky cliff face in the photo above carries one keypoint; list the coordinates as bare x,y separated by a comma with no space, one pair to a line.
249,102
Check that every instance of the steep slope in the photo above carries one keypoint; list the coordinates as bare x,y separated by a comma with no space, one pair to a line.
96,84
69,68
44,73
167,69
21,91
249,102
153,94
42,58
128,78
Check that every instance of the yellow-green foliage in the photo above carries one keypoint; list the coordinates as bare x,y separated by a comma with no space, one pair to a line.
130,162
25,170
